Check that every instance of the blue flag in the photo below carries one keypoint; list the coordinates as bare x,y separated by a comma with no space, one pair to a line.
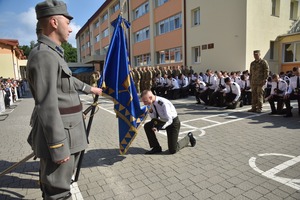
118,84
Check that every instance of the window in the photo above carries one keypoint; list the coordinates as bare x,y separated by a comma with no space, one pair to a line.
97,38
294,10
142,10
97,52
115,8
105,33
105,49
169,56
104,17
275,8
142,60
169,24
142,35
196,54
160,2
178,54
196,17
291,52
96,24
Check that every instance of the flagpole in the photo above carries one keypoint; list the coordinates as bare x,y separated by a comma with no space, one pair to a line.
91,109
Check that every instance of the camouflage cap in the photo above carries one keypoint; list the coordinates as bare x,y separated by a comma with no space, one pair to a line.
51,7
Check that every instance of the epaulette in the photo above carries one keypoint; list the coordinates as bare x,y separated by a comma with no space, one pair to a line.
160,102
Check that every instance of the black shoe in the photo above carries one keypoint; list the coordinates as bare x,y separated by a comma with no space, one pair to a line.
241,103
68,196
192,139
198,102
272,113
154,150
288,115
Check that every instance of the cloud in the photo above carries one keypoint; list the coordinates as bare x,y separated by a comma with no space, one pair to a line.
75,28
23,27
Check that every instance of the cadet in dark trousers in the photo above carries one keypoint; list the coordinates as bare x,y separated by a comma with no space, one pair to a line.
58,132
164,116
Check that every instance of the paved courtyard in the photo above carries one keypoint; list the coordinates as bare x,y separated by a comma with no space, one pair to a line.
238,155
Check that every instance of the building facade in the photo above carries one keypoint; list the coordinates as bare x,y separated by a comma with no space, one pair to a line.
198,33
12,60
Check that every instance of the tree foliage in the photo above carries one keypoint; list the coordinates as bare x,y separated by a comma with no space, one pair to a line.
70,52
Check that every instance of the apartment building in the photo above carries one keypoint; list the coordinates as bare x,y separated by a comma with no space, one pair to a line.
220,35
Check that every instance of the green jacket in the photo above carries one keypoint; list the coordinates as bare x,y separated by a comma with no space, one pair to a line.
259,71
57,127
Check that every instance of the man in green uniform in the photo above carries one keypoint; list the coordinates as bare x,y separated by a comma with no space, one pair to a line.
259,70
58,132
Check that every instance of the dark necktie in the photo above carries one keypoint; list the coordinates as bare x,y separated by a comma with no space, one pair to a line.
298,82
230,89
208,80
246,85
277,85
157,115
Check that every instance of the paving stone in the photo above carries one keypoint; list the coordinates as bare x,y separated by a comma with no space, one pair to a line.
216,168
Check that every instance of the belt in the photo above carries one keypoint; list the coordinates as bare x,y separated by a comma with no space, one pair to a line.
70,110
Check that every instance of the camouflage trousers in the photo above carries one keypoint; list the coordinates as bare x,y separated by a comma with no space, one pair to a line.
257,97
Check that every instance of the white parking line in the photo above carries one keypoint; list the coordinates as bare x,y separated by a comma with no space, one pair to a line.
271,173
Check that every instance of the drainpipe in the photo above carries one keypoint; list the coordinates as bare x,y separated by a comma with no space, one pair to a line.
184,31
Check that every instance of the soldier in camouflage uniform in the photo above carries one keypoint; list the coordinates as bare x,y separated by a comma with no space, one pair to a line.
136,78
148,78
141,71
259,70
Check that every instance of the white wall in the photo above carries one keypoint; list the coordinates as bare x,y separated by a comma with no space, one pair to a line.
262,28
223,24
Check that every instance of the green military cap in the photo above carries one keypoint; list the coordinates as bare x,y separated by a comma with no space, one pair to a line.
51,7
256,52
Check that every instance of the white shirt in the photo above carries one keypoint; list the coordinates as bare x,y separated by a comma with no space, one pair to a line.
243,85
175,84
220,83
165,111
282,86
213,81
235,89
293,84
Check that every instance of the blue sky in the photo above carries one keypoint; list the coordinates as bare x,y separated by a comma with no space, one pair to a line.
18,19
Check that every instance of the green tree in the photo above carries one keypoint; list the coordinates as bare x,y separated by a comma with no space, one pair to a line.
70,52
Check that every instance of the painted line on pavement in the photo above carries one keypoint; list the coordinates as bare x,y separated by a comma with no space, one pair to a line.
271,173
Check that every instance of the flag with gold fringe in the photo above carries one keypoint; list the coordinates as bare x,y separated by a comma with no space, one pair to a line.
118,84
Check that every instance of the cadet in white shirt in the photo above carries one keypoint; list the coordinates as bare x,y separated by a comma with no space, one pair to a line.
278,91
232,93
293,92
164,116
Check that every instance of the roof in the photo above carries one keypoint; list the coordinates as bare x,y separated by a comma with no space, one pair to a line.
9,42
14,44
